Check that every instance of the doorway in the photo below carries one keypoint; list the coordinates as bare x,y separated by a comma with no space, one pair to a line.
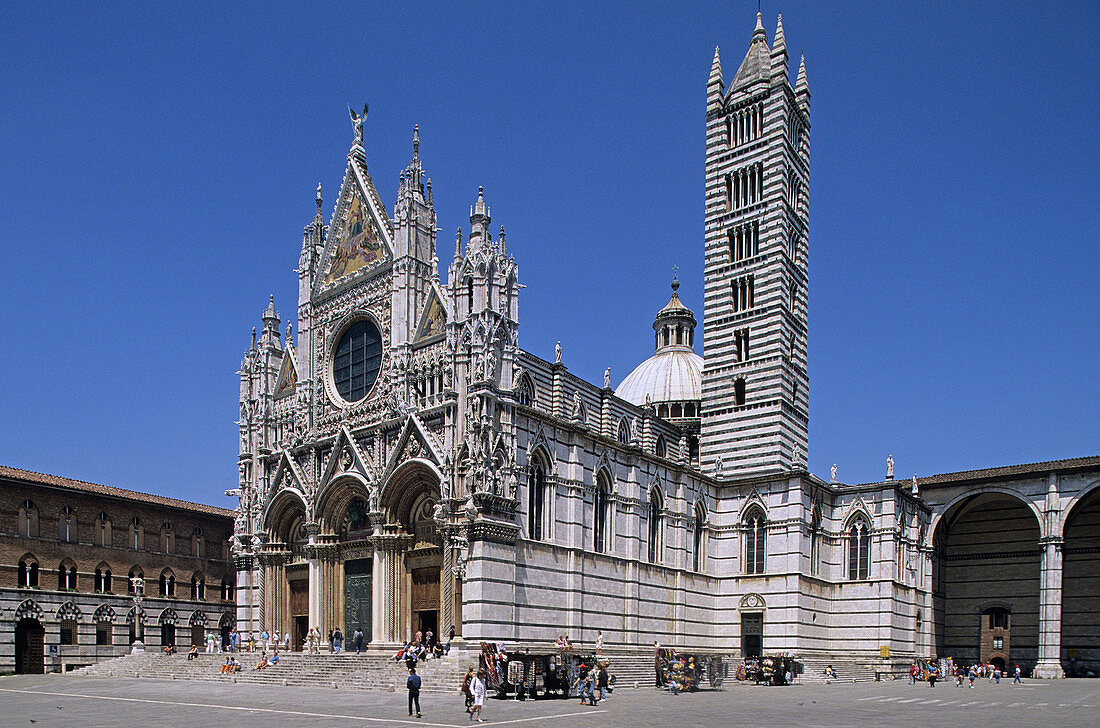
30,640
752,634
358,597
425,600
167,635
299,612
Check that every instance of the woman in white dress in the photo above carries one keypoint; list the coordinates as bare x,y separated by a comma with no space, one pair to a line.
478,688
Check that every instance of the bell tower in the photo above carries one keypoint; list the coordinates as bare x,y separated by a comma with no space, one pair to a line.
755,399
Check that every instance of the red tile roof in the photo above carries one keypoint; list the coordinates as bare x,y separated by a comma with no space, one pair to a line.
56,480
1007,471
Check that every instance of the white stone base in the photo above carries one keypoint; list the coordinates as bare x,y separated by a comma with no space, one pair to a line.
1048,670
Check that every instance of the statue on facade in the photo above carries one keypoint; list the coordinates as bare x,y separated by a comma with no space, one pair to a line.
914,484
607,377
832,474
557,353
890,467
576,405
357,120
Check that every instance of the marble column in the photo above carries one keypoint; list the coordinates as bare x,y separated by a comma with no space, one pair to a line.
1050,611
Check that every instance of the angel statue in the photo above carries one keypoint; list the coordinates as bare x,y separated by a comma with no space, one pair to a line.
357,119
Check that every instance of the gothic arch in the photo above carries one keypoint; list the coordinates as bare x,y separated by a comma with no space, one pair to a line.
337,495
753,501
753,603
279,514
858,513
130,616
400,495
103,613
197,618
29,609
168,616
227,621
68,610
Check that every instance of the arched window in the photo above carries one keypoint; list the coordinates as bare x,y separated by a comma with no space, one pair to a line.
661,448
167,583
102,529
102,583
525,392
136,540
227,590
28,519
198,587
166,537
135,572
28,572
469,295
755,532
197,542
66,575
656,530
815,541
601,507
624,432
859,550
536,501
67,525
699,539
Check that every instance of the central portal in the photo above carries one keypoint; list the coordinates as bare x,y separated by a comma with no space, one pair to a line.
358,596
425,600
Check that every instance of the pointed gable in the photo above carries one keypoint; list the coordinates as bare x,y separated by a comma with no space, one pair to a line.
433,319
288,375
362,238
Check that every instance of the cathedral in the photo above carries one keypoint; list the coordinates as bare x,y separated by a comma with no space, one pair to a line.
406,465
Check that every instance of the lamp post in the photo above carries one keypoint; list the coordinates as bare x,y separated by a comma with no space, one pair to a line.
138,588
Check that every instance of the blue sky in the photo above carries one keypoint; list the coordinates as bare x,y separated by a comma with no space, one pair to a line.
158,162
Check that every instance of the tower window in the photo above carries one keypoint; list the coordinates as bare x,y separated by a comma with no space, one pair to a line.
729,193
661,448
741,345
739,391
743,292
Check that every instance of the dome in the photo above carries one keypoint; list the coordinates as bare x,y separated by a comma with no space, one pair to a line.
673,375
675,372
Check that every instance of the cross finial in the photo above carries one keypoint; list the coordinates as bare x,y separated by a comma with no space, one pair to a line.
675,280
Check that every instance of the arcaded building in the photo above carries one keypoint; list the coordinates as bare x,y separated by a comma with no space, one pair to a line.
68,550
405,464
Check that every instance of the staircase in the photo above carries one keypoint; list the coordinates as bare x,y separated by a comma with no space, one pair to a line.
375,671
847,670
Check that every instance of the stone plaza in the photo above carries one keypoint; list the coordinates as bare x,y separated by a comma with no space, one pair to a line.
58,701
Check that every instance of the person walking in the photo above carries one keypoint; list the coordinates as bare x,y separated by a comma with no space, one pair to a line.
1016,679
467,680
478,689
357,638
413,684
602,680
337,641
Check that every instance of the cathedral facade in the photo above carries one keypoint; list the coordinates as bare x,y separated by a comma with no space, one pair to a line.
406,465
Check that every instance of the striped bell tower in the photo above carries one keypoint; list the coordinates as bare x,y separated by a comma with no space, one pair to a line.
755,399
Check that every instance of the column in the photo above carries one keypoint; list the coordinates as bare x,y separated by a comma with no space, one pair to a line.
1050,611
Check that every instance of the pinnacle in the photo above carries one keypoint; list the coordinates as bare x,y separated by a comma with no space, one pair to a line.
801,84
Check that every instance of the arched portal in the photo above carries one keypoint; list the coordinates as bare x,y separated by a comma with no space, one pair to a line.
1080,587
30,646
412,564
985,581
285,567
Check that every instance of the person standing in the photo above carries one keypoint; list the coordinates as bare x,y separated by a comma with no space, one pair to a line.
286,641
450,639
357,638
264,636
337,640
478,689
467,682
413,684
602,680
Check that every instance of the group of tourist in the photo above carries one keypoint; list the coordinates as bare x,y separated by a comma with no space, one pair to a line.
933,671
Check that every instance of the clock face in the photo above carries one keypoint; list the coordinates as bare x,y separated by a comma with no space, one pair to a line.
357,360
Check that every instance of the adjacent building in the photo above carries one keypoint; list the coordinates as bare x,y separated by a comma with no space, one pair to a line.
68,553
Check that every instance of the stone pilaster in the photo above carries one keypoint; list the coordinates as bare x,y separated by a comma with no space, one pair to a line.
1050,611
